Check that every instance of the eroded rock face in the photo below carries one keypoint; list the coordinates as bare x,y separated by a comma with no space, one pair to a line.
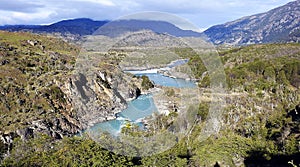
98,97
134,92
6,142
278,25
42,92
82,101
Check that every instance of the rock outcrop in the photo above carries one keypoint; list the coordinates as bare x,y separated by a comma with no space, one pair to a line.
278,25
42,92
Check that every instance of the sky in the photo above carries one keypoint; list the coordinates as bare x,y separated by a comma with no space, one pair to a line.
201,13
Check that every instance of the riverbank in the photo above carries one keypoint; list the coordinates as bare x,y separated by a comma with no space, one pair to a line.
170,70
164,98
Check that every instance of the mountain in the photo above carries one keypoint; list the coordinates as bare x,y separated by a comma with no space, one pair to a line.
281,24
118,27
77,26
84,26
81,26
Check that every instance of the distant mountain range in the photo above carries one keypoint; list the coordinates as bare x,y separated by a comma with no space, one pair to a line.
85,26
81,26
118,27
281,24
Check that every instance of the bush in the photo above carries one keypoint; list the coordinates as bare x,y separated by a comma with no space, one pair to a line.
170,92
146,83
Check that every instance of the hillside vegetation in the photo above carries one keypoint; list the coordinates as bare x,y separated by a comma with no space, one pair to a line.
260,125
30,66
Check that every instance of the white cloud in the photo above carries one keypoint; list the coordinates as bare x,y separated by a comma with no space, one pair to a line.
203,13
30,16
4,19
102,2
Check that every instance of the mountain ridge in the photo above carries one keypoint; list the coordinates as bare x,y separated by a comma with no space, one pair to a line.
131,25
281,24
86,26
78,26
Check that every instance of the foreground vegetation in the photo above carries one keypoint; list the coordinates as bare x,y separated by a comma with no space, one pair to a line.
260,126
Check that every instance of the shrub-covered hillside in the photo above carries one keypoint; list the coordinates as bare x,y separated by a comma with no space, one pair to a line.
30,67
260,124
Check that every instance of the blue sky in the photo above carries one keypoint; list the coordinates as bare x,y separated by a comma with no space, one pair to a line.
202,13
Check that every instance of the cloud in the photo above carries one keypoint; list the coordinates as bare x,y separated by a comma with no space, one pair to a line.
19,6
102,2
202,13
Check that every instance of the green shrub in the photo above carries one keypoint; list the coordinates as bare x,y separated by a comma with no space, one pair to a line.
146,83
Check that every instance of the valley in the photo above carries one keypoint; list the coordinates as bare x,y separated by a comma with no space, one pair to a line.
136,92
261,102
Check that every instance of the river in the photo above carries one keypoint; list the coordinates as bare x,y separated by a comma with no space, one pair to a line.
143,106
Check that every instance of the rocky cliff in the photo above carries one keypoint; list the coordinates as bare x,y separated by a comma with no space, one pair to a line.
42,91
278,25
